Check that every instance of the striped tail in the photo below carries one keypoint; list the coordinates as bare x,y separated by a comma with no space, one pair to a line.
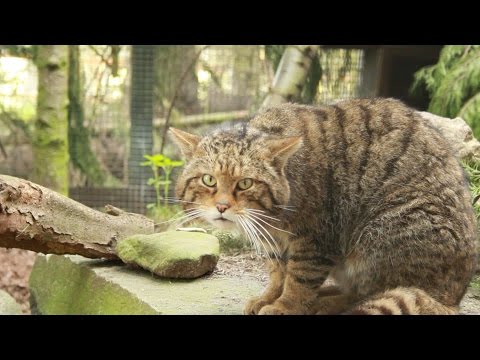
402,301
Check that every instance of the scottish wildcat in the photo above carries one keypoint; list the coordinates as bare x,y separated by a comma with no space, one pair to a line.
364,191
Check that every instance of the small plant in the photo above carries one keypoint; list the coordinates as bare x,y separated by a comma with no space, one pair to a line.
157,162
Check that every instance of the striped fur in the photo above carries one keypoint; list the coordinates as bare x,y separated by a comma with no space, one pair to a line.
372,194
402,301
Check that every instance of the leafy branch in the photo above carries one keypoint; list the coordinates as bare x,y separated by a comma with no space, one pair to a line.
453,84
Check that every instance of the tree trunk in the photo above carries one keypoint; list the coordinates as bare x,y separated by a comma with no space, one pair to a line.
50,140
173,61
38,219
291,74
78,135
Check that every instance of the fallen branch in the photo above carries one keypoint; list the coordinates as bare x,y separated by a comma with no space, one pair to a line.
35,218
198,119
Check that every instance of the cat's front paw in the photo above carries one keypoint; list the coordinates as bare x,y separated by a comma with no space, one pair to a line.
280,308
275,310
254,305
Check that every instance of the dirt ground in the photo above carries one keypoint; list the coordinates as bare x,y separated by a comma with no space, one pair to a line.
244,265
15,268
16,265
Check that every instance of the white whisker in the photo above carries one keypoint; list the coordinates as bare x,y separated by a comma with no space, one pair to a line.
248,232
260,219
240,221
181,201
175,218
255,233
261,214
278,251
287,208
190,218
275,249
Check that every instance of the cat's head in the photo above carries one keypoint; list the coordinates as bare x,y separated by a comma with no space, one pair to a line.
233,173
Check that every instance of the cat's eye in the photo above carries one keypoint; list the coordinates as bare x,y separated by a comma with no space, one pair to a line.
244,184
209,180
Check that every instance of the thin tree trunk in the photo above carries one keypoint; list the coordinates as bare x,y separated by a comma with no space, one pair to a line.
50,140
291,74
36,218
78,135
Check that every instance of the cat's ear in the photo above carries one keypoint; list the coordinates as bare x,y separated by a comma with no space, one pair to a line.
280,150
186,142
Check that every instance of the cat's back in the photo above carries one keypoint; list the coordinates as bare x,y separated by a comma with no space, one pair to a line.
368,154
361,139
365,118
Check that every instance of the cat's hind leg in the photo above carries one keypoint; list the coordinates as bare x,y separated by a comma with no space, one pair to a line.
333,305
401,301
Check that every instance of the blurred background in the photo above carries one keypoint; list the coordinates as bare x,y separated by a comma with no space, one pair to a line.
119,97
116,99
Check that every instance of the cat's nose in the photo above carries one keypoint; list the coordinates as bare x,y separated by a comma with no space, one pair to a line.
222,207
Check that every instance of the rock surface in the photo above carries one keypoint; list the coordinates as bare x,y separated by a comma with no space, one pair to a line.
76,285
8,305
172,254
458,133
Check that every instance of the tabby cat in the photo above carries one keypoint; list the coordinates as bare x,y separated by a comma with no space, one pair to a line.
364,191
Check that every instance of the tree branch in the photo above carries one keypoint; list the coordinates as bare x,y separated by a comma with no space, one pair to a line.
39,219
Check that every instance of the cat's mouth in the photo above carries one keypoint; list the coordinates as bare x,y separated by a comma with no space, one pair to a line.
221,219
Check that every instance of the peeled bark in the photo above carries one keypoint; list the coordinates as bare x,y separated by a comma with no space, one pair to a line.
35,218
291,74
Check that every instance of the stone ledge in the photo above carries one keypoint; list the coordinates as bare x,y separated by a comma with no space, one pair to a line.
76,285
8,305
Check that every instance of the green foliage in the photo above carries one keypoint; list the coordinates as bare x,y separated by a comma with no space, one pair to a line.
475,283
157,162
454,84
24,51
274,54
473,171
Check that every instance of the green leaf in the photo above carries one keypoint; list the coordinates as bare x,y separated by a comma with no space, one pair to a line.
177,163
151,206
167,162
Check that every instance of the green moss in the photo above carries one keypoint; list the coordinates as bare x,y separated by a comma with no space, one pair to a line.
162,214
61,288
475,283
76,285
163,252
230,242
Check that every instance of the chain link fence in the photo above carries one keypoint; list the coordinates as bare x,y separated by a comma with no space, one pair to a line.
130,92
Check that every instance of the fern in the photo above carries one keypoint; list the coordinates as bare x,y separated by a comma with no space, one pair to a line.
454,84
473,171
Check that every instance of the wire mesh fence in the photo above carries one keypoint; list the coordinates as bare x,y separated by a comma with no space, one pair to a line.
128,94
